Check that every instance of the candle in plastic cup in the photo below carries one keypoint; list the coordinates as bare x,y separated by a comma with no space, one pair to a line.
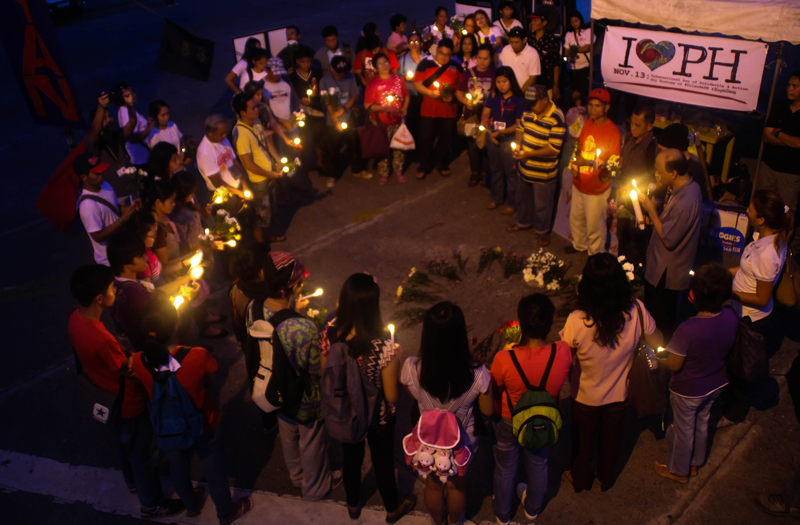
231,243
638,209
177,302
196,259
344,125
247,194
196,272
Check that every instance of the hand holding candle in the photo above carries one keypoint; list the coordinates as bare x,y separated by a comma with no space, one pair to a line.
391,331
196,272
247,194
317,293
597,160
196,259
637,208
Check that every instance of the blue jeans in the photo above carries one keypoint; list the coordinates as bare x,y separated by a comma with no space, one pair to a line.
687,436
504,171
535,201
506,458
209,450
135,443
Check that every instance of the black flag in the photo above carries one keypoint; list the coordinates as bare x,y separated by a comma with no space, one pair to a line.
184,54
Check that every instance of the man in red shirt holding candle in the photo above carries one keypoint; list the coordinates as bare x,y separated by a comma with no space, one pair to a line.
591,181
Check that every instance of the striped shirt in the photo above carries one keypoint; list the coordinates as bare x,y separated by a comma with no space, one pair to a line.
538,132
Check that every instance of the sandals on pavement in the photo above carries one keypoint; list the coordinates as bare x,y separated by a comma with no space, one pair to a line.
663,471
514,228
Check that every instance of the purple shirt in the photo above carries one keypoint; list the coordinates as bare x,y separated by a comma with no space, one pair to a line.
705,342
506,110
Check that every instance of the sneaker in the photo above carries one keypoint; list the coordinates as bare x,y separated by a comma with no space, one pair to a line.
240,508
774,504
522,493
170,507
363,175
331,182
400,177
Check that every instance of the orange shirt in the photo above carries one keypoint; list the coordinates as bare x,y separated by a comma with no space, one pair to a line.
533,362
607,139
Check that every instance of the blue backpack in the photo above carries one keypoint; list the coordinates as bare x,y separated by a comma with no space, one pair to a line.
177,423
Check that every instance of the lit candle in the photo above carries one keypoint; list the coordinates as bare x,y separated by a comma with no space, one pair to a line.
297,141
463,31
391,331
597,159
177,302
469,96
634,184
410,74
247,194
301,123
638,209
207,231
513,146
196,259
286,169
231,243
691,272
481,127
284,160
390,99
196,272
344,125
436,84
317,293
218,199
309,92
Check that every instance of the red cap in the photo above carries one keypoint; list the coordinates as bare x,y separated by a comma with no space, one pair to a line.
601,94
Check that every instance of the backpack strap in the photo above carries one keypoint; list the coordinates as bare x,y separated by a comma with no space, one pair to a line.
283,315
546,376
181,353
521,372
101,200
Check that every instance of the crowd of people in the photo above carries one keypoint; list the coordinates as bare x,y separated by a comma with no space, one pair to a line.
498,87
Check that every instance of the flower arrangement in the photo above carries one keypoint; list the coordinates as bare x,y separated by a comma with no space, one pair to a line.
226,230
513,263
461,262
511,332
457,23
410,294
298,118
488,257
544,270
317,316
475,97
618,210
134,179
416,278
289,167
612,169
571,53
409,317
442,268
189,148
221,195
447,90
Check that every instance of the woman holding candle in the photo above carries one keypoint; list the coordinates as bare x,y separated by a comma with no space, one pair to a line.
501,116
386,97
358,324
467,55
486,32
603,332
408,67
473,89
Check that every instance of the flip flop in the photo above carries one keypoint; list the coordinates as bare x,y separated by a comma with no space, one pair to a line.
276,238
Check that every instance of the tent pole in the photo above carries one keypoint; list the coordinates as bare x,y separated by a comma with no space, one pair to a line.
591,59
778,64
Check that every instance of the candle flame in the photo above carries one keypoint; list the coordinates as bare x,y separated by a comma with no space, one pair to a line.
231,243
196,272
469,96
301,123
660,349
463,31
218,200
436,84
297,142
196,259
634,183
691,272
513,145
344,125
207,231
309,92
410,74
247,194
390,98
391,329
634,195
284,160
177,302
286,169
481,127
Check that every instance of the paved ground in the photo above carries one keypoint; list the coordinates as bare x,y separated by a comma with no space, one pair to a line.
357,226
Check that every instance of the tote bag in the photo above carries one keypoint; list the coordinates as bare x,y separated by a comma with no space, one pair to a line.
647,389
374,141
402,139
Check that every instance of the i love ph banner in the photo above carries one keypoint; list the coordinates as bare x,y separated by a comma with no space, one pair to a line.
704,71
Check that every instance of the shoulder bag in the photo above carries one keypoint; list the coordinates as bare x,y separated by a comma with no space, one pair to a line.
647,389
748,358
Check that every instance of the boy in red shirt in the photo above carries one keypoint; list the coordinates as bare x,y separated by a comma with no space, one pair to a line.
591,181
535,313
105,363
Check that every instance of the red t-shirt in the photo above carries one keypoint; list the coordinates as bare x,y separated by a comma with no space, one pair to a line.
607,139
192,376
533,361
432,107
377,92
367,68
102,359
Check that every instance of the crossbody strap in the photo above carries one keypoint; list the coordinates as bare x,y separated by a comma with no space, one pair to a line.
433,78
102,201
253,132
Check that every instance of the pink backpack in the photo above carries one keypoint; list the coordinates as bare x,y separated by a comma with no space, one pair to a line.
437,445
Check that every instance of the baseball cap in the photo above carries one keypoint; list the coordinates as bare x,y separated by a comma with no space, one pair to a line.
674,136
276,66
340,64
538,13
600,94
88,162
517,32
535,92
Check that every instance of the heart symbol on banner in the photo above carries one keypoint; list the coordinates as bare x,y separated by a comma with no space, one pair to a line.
655,55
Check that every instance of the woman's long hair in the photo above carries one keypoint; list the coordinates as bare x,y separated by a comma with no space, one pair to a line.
506,71
579,16
474,52
447,369
159,320
604,295
769,206
159,159
251,44
360,309
156,190
185,184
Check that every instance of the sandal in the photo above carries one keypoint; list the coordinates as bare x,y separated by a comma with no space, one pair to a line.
400,177
509,211
421,175
492,206
383,180
514,228
444,173
663,471
544,240
276,238
406,507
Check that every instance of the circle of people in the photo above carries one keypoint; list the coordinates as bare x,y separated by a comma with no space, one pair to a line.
144,251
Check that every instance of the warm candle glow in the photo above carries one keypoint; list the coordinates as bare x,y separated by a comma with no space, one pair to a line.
463,31
196,272
232,244
344,125
177,302
469,96
391,329
691,272
390,99
513,146
207,231
286,169
436,84
218,200
297,141
196,259
301,123
247,194
410,74
481,127
284,160
637,208
309,92
634,184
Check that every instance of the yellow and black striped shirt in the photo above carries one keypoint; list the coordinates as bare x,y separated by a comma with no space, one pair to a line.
539,131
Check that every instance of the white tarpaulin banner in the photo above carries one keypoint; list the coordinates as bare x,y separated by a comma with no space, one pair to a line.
704,71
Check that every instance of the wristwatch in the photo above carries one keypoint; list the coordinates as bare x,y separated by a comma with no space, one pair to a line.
776,133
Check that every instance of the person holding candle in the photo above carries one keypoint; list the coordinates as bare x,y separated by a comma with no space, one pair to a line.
305,80
591,182
143,225
386,97
541,134
358,324
604,332
164,130
477,82
673,242
408,67
435,79
194,370
697,357
501,116
438,31
486,32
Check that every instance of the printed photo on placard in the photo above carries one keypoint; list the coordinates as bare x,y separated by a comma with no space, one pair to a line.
241,41
277,40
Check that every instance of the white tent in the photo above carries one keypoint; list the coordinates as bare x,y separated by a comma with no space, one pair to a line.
767,20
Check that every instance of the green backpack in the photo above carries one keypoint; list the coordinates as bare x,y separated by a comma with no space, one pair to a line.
536,418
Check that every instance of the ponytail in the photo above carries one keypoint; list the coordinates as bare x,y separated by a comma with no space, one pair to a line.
769,206
160,320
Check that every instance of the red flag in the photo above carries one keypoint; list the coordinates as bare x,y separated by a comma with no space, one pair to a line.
59,197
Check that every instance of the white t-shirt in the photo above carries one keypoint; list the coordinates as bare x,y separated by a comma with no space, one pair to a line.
495,35
213,158
244,78
448,33
280,98
583,40
137,152
601,376
760,262
524,64
514,23
172,135
240,67
96,216
480,386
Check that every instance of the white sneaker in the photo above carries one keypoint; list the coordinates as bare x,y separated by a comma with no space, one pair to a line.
331,182
522,492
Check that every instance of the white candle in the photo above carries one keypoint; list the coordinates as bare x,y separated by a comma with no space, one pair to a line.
247,194
638,209
513,146
391,331
597,159
315,294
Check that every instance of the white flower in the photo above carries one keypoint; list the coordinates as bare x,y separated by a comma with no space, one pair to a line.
221,212
630,275
553,285
527,275
332,91
297,161
628,267
621,258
